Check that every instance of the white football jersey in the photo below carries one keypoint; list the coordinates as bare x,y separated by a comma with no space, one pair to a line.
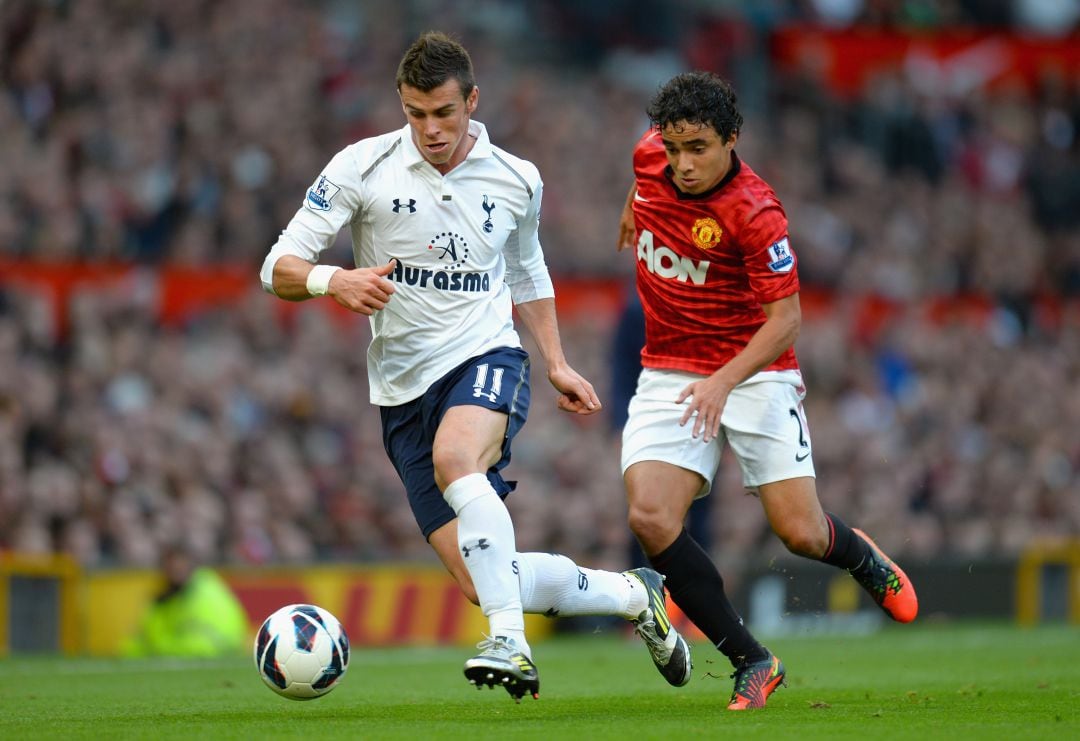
466,245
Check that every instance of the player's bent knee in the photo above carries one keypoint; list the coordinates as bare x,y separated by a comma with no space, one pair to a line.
451,465
639,522
652,529
805,542
452,462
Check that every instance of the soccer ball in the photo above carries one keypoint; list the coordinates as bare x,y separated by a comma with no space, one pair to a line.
301,652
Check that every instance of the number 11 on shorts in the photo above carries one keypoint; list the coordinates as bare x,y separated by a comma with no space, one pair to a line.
481,382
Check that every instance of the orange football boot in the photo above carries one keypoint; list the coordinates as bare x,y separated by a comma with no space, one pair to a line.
754,682
887,584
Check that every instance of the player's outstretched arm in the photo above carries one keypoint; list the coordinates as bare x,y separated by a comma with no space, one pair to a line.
363,290
627,229
576,394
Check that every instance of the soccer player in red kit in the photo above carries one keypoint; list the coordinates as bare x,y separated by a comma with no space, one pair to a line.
719,284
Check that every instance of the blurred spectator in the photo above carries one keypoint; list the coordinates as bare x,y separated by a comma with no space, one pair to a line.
196,614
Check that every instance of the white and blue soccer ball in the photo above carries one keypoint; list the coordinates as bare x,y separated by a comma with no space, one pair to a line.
301,652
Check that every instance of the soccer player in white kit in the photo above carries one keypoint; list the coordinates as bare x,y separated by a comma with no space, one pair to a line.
445,241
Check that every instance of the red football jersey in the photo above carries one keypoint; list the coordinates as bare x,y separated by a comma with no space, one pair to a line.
706,263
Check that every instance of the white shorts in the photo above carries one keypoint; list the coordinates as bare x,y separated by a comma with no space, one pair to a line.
763,420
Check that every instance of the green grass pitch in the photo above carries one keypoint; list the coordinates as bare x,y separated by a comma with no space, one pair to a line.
917,682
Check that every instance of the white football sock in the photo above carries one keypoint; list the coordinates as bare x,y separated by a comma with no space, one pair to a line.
551,584
486,540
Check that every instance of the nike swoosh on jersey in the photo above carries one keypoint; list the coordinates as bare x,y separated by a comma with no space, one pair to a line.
637,197
801,458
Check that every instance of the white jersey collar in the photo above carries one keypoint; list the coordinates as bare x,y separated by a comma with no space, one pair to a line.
482,148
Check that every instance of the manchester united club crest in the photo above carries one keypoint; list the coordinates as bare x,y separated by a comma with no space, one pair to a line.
706,233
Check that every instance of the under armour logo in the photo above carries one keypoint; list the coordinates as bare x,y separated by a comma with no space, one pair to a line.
411,205
481,544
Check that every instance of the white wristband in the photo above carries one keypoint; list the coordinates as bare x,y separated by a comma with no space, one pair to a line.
318,280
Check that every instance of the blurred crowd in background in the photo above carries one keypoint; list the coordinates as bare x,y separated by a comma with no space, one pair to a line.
186,134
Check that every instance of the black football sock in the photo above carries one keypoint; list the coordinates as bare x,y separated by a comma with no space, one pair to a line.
698,589
846,549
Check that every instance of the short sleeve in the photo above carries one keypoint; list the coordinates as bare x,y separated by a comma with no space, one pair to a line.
527,275
770,262
330,203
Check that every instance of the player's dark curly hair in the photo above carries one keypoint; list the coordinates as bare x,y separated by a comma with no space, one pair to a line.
697,98
433,59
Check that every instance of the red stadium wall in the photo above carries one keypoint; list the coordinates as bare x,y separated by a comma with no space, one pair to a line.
848,60
176,293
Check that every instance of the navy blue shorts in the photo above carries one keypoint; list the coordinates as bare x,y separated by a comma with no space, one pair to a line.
496,380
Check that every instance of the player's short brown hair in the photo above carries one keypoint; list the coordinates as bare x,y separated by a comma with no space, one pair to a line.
697,98
433,59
